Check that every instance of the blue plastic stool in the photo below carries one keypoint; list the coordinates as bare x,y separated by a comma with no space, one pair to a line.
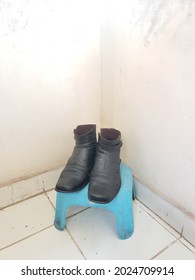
121,205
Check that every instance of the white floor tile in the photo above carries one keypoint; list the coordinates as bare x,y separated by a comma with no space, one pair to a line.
48,244
96,233
27,232
71,211
176,251
25,218
158,219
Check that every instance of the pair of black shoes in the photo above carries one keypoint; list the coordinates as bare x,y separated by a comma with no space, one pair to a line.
96,163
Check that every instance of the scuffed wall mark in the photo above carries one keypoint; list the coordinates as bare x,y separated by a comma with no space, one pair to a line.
149,18
182,229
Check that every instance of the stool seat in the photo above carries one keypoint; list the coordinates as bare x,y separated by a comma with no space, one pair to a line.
121,205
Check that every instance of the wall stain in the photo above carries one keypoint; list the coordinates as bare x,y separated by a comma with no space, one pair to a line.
149,18
13,17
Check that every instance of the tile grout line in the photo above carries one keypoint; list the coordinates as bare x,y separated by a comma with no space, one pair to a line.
20,201
24,238
78,212
66,227
74,241
187,246
45,193
72,215
166,247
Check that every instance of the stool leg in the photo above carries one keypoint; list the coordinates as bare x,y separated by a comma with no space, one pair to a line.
133,191
60,213
124,217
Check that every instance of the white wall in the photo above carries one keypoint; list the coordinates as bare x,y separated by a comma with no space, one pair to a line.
49,81
148,92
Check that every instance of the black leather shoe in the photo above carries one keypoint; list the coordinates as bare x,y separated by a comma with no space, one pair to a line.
76,173
105,180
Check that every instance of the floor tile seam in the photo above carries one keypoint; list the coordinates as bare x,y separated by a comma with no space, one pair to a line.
20,201
50,202
26,237
70,216
159,220
79,212
187,245
76,244
165,248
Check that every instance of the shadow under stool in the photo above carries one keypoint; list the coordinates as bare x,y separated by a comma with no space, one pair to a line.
121,205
